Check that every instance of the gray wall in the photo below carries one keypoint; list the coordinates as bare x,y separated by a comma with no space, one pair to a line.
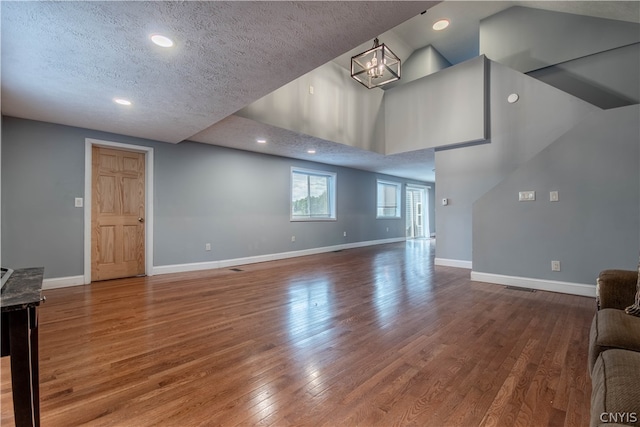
518,132
340,109
422,62
445,108
595,223
527,39
238,201
41,176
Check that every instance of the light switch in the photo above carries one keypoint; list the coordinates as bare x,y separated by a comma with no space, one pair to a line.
79,202
526,196
553,196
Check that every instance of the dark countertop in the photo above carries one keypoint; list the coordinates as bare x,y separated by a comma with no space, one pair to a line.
23,289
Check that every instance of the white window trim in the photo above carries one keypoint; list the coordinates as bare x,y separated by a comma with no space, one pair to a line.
398,185
333,197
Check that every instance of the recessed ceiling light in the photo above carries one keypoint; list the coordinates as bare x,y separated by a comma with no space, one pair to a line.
312,151
441,24
161,40
261,141
121,101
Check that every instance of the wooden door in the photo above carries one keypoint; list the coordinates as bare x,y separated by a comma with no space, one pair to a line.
117,214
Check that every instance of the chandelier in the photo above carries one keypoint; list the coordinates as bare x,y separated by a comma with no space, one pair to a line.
375,67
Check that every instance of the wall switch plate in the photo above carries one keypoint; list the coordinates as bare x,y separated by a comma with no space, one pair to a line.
555,265
553,196
293,238
78,203
526,196
207,247
445,201
311,90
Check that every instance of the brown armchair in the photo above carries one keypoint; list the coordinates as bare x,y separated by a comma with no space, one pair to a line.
614,351
616,288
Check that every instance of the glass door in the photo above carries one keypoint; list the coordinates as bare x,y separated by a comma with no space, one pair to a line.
417,221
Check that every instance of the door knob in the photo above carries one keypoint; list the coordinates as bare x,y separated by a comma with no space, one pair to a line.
140,219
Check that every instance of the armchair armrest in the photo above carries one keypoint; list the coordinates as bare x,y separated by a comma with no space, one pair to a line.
616,288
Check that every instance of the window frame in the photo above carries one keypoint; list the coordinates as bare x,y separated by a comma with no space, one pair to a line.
331,197
398,185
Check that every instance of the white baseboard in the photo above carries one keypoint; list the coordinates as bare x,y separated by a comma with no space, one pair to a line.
539,284
452,263
62,282
196,266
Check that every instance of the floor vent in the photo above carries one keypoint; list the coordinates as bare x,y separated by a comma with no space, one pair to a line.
518,288
236,269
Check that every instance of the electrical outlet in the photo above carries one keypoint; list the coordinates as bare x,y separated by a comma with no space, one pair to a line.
553,196
207,247
293,238
344,234
311,90
555,265
78,202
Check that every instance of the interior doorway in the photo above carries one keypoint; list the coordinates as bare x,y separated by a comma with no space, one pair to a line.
118,210
417,209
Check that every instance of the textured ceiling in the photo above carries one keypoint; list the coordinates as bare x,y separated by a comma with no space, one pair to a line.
241,133
64,62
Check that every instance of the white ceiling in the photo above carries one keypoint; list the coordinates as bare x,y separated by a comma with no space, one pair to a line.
64,62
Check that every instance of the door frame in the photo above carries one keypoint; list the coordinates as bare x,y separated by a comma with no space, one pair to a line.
148,200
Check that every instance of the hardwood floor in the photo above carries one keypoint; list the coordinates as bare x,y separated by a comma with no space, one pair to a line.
375,336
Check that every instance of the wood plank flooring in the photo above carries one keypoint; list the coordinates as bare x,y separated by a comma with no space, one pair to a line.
375,336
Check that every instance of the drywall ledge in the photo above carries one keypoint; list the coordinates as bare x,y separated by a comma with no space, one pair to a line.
447,108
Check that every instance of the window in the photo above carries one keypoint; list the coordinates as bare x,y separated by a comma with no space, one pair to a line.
313,195
388,205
